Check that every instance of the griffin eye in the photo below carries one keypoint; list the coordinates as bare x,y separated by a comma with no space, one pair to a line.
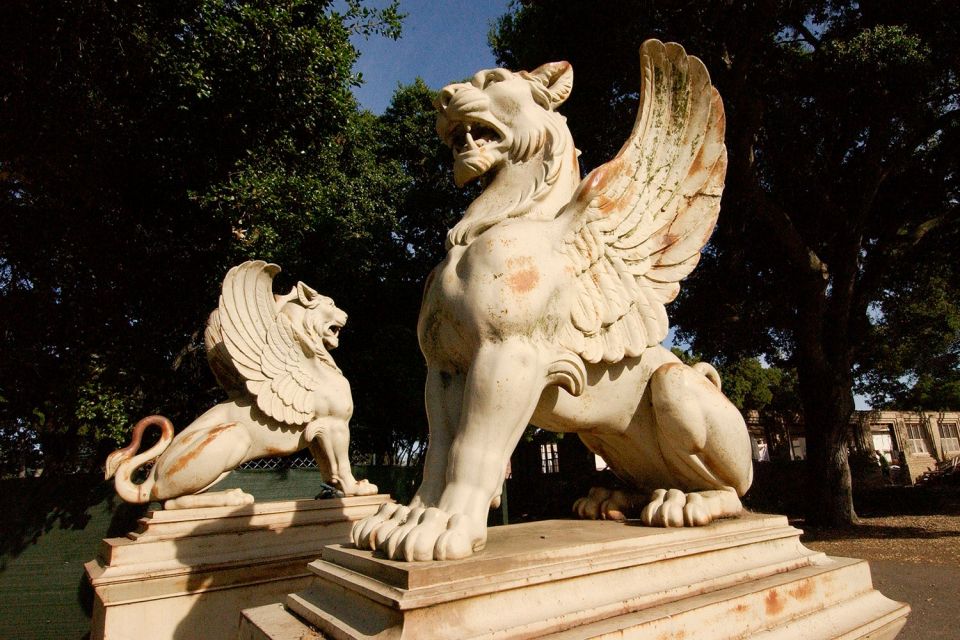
497,75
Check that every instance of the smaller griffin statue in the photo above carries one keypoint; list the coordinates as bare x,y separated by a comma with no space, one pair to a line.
270,354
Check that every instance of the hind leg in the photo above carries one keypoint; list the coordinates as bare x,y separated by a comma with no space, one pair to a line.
705,447
198,459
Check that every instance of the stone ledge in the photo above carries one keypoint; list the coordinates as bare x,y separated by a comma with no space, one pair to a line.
568,579
200,567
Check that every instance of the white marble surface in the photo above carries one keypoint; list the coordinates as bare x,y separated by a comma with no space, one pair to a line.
187,573
270,353
549,308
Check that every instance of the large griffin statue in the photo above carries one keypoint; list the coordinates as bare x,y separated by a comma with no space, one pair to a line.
549,308
270,354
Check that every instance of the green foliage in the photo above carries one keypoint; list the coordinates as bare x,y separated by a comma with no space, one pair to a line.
842,129
750,386
915,359
427,204
431,201
145,148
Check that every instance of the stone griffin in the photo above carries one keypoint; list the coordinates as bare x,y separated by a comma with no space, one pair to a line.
270,354
549,308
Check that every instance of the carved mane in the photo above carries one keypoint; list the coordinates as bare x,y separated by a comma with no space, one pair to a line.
554,153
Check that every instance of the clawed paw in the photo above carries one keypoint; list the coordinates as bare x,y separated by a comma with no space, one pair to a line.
418,534
605,504
674,508
363,488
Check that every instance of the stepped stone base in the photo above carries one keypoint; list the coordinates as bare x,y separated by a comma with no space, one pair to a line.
187,573
745,577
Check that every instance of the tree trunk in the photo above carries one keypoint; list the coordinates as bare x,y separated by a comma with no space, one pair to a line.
828,404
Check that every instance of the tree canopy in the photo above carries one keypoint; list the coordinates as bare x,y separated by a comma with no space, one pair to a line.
144,149
842,124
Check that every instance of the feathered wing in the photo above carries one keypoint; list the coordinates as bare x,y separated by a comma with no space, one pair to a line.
265,349
221,364
638,223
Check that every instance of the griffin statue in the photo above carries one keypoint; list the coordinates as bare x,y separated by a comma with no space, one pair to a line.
270,354
549,308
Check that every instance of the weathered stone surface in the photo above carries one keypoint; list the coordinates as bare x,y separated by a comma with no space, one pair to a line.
270,354
745,577
549,308
187,573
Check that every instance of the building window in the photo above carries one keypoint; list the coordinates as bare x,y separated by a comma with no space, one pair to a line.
760,449
883,442
549,461
949,439
915,443
799,448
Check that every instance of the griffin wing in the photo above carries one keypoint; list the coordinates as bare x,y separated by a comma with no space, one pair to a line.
219,358
638,223
269,355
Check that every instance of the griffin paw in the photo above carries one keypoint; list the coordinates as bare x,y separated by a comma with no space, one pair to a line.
605,504
433,534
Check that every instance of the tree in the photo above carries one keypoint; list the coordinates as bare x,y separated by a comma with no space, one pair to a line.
427,204
842,123
914,362
145,148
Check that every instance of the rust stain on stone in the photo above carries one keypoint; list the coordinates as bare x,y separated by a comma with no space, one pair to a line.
773,603
668,239
741,609
606,205
524,275
802,591
193,453
599,178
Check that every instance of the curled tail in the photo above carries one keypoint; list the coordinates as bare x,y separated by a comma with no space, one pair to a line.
709,372
123,462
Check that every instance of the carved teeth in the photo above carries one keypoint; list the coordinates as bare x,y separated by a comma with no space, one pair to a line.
471,137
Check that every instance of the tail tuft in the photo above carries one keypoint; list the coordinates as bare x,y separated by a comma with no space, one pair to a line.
113,462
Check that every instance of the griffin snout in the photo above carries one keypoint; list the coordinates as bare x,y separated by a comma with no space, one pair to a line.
464,121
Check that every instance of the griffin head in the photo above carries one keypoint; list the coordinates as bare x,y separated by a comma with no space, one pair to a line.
499,116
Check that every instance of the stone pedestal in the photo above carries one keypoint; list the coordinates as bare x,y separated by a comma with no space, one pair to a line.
745,577
188,573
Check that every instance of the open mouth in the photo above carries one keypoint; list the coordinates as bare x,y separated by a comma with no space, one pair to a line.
466,137
334,330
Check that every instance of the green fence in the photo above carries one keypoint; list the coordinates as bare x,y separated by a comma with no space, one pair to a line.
52,526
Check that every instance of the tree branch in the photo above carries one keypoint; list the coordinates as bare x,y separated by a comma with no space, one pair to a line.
811,39
800,254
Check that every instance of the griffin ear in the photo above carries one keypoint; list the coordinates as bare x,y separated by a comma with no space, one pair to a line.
307,295
557,81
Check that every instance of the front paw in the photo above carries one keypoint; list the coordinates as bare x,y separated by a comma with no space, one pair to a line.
433,534
363,488
366,533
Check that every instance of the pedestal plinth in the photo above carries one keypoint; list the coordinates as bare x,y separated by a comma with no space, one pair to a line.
188,573
745,577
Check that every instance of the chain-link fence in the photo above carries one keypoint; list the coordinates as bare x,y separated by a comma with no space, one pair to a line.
301,460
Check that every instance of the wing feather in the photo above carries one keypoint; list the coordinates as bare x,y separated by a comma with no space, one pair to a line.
288,361
638,223
270,357
218,358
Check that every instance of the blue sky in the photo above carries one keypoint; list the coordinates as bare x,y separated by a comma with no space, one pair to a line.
441,42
